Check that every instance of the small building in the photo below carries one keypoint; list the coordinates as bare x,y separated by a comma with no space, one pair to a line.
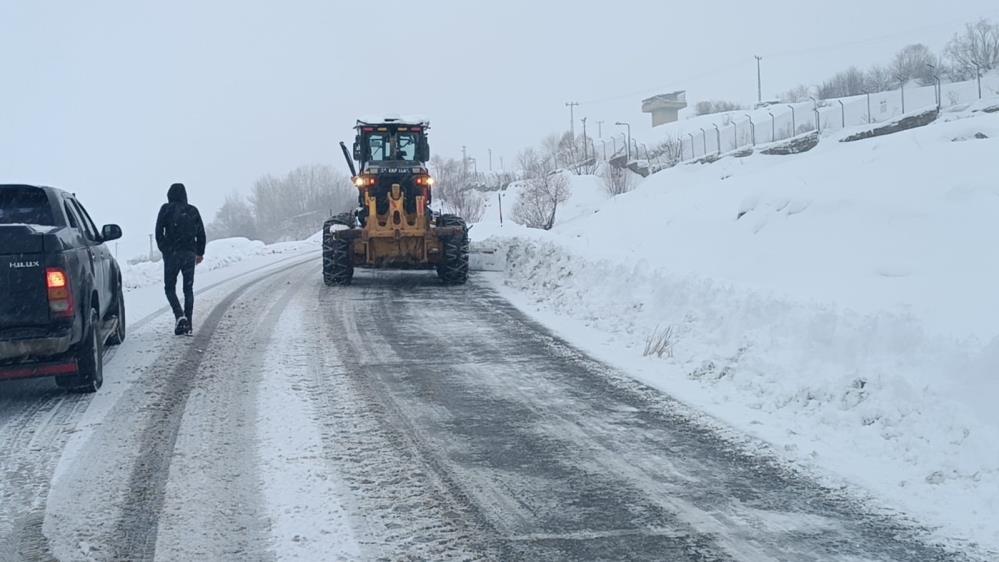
665,108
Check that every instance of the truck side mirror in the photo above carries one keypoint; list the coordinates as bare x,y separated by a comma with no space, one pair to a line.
110,232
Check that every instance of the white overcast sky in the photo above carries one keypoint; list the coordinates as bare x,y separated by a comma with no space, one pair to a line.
116,100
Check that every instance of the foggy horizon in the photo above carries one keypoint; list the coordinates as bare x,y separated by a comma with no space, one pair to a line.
117,102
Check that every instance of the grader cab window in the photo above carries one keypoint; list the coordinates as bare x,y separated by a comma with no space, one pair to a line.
379,147
406,146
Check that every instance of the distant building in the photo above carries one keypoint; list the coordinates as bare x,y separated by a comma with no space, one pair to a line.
665,108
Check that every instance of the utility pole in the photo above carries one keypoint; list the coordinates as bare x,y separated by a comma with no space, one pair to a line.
600,129
572,118
464,162
585,150
759,81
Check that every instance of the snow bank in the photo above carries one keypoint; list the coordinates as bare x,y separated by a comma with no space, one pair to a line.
218,254
839,304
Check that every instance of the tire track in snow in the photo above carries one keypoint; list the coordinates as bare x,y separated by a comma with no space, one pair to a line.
402,506
548,454
213,508
36,420
135,532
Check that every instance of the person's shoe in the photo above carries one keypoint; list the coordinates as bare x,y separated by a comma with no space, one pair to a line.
182,327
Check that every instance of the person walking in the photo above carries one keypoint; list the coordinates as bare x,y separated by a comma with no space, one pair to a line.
180,236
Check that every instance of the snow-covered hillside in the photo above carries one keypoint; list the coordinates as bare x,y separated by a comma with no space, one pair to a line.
840,304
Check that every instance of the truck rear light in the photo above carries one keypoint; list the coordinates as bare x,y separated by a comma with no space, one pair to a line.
60,295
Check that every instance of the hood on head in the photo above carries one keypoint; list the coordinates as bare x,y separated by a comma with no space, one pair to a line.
177,193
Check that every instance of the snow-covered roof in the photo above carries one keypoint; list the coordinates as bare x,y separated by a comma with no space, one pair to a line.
394,119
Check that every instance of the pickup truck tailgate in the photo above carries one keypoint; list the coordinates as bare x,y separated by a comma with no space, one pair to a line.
23,293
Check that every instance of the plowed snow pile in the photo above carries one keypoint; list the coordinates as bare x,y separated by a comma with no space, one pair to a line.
841,304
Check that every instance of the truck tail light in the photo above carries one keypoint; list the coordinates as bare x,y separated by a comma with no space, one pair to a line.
60,295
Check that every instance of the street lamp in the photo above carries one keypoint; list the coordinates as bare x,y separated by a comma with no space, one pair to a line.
628,125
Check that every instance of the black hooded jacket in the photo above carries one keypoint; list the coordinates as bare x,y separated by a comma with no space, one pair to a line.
179,227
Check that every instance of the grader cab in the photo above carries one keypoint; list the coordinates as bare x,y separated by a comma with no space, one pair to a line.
393,226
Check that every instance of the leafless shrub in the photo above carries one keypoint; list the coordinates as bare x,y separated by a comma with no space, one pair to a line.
659,343
616,180
545,188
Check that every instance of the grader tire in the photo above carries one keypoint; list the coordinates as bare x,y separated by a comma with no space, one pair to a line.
453,269
338,269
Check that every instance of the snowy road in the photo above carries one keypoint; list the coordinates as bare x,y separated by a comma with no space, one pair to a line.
393,419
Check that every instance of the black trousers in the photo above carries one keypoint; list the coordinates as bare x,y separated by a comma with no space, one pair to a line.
174,264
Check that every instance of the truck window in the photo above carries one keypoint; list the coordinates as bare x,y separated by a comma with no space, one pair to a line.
71,215
88,225
25,205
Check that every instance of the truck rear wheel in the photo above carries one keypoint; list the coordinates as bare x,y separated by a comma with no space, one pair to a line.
338,266
118,335
453,269
89,360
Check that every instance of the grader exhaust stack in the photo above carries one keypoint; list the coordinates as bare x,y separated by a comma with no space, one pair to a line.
393,227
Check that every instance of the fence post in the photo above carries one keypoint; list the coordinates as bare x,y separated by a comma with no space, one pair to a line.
794,122
717,136
752,129
692,155
869,108
773,127
842,113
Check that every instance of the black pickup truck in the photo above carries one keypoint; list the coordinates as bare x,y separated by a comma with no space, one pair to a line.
61,295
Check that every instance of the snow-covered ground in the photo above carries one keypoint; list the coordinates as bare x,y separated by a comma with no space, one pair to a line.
219,254
838,304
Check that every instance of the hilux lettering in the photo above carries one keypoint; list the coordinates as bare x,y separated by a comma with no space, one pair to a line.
24,264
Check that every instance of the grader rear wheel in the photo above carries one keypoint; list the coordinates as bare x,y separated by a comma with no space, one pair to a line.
338,268
453,269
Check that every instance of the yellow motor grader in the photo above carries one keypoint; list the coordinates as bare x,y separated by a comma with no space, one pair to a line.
393,227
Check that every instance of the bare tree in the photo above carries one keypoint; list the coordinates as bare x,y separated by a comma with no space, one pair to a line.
708,107
911,63
977,48
454,189
234,218
877,79
797,94
850,82
544,190
294,206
